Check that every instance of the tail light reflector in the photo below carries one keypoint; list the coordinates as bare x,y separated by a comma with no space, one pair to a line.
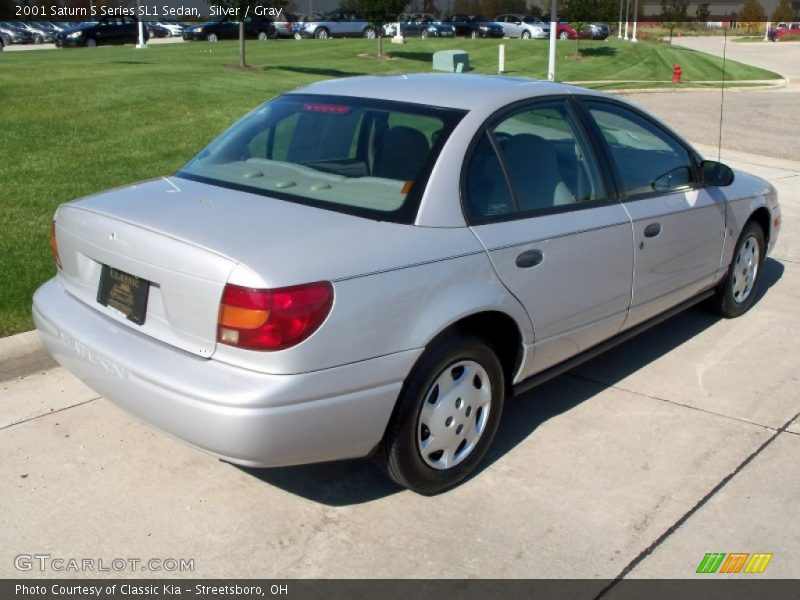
54,243
259,319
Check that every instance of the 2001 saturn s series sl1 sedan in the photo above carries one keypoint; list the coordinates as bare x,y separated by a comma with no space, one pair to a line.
374,264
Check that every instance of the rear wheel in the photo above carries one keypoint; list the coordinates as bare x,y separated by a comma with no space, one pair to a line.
262,36
322,34
447,415
563,35
738,292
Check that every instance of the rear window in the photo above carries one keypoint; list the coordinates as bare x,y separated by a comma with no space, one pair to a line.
366,157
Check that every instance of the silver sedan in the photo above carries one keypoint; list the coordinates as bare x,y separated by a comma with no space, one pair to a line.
372,265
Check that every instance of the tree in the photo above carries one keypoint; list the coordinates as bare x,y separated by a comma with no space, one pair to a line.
673,12
588,11
242,7
783,12
702,12
751,16
378,12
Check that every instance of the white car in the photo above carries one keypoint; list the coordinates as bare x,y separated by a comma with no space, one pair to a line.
175,29
373,264
523,26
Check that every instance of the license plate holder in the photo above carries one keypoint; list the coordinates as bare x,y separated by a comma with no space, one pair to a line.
124,292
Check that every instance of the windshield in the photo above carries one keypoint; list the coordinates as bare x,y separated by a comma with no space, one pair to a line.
365,157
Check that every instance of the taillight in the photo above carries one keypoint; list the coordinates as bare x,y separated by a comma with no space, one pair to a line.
272,319
54,243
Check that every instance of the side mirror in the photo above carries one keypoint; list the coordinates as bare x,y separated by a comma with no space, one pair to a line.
716,174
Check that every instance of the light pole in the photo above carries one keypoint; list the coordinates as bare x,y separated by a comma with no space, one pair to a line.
141,43
619,29
635,18
627,16
551,64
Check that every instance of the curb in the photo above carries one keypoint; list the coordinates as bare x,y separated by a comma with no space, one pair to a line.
23,354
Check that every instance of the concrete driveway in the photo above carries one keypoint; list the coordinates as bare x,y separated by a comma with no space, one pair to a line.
683,441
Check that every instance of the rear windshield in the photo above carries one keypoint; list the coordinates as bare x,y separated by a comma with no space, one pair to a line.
366,157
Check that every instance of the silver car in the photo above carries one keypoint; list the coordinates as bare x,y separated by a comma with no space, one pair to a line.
373,264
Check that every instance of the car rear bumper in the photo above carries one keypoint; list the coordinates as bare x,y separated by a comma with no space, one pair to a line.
248,418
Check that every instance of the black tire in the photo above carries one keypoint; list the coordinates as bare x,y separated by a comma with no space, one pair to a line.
322,34
262,36
424,34
563,35
91,43
38,39
212,37
731,301
399,453
369,33
526,35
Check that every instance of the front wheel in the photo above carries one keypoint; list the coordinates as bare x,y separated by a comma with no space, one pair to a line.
369,33
425,34
91,43
321,34
212,37
738,292
563,35
447,416
262,36
526,35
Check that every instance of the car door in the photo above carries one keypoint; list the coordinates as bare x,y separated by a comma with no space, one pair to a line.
679,227
513,27
107,30
536,197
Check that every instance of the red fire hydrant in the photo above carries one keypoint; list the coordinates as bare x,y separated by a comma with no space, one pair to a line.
676,74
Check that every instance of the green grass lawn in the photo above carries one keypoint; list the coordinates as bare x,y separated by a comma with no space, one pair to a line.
74,122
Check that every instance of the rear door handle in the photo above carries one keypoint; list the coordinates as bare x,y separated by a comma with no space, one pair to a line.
529,258
652,230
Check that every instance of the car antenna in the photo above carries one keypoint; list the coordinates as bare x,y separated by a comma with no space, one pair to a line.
722,97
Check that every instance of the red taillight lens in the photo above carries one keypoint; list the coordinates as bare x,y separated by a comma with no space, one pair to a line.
54,243
272,319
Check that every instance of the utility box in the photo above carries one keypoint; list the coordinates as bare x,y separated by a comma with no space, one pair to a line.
451,61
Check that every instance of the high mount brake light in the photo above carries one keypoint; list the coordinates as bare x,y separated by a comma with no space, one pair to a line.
334,109
261,319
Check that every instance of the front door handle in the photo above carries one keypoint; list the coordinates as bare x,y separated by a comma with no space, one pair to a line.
652,230
529,258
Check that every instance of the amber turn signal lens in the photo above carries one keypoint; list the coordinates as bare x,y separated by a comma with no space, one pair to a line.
54,243
241,318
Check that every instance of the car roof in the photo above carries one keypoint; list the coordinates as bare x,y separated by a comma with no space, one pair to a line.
449,90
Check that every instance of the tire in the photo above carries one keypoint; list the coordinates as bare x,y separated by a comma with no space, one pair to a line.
424,34
212,37
38,39
369,33
467,417
737,293
563,35
91,43
322,34
526,35
262,36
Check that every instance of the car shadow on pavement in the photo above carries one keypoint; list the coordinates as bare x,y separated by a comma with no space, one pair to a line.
349,482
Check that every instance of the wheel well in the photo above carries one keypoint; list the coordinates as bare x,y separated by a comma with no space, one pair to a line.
501,331
762,217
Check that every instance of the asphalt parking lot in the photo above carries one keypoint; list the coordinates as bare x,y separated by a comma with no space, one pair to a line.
683,441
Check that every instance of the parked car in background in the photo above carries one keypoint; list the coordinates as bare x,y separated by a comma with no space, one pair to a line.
106,31
284,25
564,31
373,264
784,31
15,35
420,26
523,26
175,29
338,23
595,31
226,28
156,30
40,34
473,26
